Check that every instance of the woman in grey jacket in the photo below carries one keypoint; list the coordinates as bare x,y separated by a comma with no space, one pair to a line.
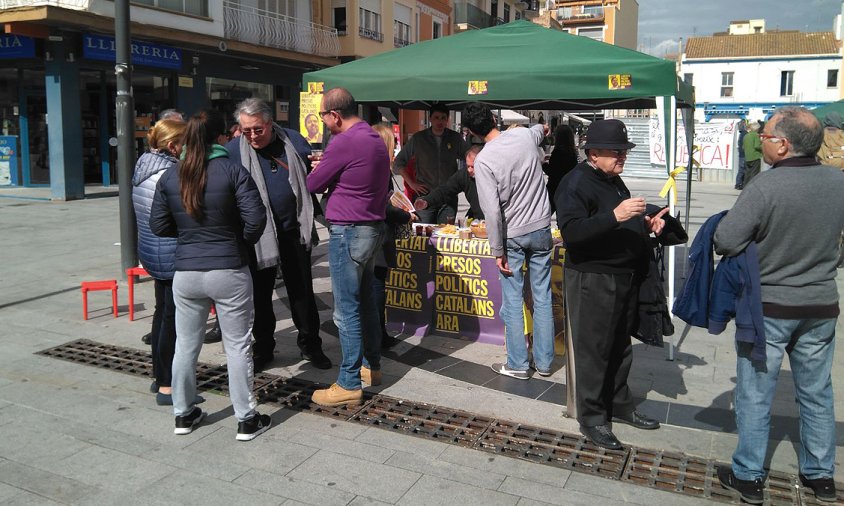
157,254
211,204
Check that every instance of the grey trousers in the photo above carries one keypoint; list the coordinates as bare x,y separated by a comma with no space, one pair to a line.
230,290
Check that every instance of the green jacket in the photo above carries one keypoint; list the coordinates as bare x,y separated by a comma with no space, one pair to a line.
752,147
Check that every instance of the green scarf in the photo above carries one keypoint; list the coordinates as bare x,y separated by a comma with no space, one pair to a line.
216,151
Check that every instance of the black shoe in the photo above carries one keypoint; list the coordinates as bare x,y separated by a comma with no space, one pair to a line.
254,427
388,341
214,335
261,360
317,358
824,488
602,436
637,420
186,424
749,490
153,388
147,338
739,187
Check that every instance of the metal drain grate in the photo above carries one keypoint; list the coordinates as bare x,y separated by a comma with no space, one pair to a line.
426,420
552,447
667,471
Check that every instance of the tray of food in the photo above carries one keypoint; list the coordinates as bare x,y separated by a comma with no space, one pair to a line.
446,231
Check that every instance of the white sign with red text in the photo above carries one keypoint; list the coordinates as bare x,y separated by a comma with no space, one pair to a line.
715,140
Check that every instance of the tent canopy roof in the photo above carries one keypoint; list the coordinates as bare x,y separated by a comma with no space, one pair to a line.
524,65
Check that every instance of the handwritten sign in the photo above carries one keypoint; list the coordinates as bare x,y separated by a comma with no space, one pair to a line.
716,142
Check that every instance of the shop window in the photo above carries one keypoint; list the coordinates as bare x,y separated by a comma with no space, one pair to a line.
832,78
370,25
787,83
726,84
437,30
195,7
225,94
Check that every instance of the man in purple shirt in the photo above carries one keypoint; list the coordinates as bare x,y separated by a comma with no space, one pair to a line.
355,169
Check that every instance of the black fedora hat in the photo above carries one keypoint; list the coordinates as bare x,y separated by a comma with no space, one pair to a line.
607,134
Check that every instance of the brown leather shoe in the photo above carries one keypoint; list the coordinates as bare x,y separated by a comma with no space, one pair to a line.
335,395
370,377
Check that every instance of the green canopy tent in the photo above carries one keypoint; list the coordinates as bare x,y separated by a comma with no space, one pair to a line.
524,65
822,111
518,65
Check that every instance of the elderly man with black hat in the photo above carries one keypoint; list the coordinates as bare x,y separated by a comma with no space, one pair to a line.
605,232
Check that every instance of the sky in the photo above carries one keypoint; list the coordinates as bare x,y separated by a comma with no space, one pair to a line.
663,22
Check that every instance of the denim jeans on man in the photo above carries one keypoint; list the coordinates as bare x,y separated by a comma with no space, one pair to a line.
534,250
809,344
351,259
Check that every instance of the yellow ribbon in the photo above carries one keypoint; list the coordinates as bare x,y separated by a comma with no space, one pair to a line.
671,184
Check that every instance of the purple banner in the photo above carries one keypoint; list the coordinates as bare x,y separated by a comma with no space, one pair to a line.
450,286
410,287
467,292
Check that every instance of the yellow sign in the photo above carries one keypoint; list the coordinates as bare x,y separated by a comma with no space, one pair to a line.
310,124
314,88
478,87
185,82
620,81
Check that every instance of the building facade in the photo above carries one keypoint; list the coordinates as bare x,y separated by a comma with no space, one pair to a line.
749,74
612,21
57,83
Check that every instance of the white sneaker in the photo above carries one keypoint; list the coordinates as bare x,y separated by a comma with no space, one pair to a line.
506,371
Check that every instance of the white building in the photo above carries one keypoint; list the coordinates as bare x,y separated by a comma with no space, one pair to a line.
749,75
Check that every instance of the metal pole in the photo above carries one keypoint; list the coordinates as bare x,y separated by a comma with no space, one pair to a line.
125,136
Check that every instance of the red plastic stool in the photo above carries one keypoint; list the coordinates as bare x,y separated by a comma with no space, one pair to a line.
131,272
93,286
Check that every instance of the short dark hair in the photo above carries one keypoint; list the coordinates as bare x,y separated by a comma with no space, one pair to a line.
342,101
802,129
438,107
478,118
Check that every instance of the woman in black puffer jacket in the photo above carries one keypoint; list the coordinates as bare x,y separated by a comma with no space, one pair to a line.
211,204
157,254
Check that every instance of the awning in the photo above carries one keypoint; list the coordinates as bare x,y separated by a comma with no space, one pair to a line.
510,117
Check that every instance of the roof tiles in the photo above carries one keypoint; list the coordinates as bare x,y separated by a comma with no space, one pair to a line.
785,43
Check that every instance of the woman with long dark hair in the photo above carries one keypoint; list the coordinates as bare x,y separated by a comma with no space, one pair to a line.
563,159
211,204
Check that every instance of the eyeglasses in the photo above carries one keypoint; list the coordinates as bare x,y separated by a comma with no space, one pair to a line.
619,153
252,131
772,138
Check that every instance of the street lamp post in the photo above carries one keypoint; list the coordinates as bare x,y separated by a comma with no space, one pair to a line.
125,136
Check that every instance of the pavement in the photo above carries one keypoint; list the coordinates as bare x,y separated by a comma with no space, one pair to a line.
76,434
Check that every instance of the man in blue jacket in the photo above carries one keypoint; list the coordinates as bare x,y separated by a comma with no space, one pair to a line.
795,214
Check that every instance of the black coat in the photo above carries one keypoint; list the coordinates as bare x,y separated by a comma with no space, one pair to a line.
233,221
460,181
562,161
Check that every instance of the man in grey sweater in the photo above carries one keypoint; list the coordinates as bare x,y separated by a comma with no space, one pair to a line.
512,195
795,214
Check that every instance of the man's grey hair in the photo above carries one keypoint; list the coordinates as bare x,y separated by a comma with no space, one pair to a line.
171,114
254,107
802,129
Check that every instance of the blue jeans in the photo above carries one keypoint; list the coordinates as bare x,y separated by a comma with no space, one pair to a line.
533,249
351,259
813,344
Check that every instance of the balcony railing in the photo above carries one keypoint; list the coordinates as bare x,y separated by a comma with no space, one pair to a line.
366,33
399,42
468,14
266,28
81,5
587,12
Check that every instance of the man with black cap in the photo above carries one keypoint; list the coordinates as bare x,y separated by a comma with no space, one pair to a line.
605,232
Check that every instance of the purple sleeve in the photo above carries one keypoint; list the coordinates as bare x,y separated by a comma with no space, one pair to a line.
327,171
